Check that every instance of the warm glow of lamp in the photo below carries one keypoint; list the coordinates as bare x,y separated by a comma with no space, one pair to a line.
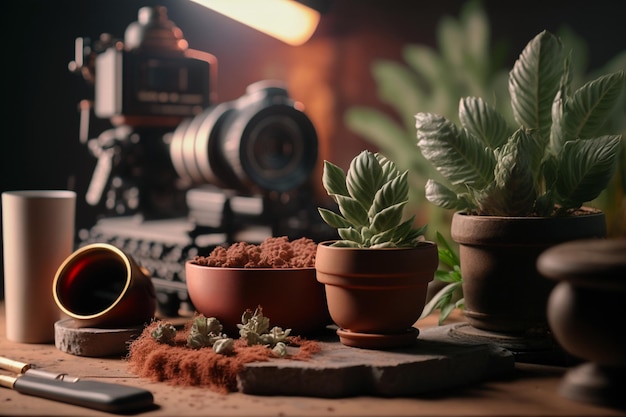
286,20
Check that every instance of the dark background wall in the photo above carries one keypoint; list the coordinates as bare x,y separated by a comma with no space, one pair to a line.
39,147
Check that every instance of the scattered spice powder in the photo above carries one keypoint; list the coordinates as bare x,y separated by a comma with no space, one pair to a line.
273,252
178,364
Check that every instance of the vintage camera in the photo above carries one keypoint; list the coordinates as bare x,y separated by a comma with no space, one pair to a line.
178,173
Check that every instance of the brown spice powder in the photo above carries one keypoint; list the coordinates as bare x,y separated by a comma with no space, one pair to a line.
273,252
178,364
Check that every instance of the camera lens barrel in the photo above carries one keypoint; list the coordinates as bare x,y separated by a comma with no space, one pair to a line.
259,142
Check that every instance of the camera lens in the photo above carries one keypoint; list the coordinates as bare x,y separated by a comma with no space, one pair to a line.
195,151
259,142
275,148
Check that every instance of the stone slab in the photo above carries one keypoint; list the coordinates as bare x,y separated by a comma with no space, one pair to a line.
69,337
436,362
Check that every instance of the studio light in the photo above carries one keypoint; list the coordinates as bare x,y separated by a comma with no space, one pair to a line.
287,20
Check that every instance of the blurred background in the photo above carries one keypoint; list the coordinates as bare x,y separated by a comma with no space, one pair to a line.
367,69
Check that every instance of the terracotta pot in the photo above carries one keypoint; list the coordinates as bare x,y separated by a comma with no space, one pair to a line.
586,316
503,290
291,297
376,295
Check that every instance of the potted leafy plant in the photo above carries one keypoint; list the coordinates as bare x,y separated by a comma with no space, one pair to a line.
376,275
516,192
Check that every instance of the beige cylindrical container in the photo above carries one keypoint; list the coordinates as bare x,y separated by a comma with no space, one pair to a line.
38,234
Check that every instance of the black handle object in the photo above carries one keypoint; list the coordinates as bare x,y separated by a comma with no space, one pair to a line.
92,394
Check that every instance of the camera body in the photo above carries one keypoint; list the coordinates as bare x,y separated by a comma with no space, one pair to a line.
178,173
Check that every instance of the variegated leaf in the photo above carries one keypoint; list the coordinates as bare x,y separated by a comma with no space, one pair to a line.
483,122
458,156
590,165
534,81
590,106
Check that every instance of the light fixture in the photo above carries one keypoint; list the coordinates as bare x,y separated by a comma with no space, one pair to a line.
287,20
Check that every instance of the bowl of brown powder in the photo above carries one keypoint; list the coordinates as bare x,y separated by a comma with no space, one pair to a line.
277,275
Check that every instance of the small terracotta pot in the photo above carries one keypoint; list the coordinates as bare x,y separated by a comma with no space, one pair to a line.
586,316
291,297
502,288
375,291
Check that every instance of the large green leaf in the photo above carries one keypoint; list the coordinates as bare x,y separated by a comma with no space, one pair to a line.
589,164
483,121
443,197
333,219
590,106
458,156
425,62
534,81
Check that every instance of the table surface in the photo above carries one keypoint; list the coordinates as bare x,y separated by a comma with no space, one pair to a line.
530,391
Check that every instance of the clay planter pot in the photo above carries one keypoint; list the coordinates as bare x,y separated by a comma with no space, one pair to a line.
503,290
586,316
376,295
291,297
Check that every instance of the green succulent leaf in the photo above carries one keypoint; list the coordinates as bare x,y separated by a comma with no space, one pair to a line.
333,219
364,178
347,244
390,170
334,180
371,215
354,211
590,164
534,81
350,234
387,218
483,122
392,192
384,132
457,155
404,230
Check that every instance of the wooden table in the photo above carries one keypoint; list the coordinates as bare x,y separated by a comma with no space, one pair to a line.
531,391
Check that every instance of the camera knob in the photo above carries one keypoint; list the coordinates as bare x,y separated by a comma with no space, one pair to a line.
153,30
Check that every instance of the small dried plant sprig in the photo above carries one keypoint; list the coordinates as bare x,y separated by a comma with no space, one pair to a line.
208,332
165,333
255,329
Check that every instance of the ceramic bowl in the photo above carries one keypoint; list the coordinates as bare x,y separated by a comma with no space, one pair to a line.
291,297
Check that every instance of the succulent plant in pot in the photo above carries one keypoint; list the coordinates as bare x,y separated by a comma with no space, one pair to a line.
518,190
376,275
